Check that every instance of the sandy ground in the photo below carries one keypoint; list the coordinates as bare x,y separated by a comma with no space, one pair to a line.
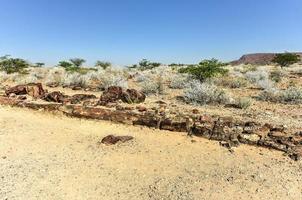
47,156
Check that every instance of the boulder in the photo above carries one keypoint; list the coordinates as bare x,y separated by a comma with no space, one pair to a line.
115,93
32,89
111,139
111,95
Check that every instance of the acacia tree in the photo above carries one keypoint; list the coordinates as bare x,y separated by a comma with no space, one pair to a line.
13,65
77,62
39,64
205,69
102,64
286,59
65,64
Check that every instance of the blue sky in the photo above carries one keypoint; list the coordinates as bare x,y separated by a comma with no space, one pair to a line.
125,31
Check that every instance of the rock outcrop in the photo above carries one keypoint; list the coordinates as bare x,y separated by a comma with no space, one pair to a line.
258,59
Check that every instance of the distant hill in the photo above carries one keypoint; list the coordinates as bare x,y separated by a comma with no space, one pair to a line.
258,58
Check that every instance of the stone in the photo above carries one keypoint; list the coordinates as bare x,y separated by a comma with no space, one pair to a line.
112,94
141,108
55,96
111,139
115,93
32,89
78,98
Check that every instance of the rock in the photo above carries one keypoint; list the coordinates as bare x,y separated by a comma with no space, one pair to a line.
56,96
133,96
52,85
112,94
33,89
78,98
160,102
141,108
111,139
115,93
21,97
195,111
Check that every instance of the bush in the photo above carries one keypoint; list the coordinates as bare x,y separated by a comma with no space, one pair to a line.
111,78
75,79
205,93
77,62
153,86
291,95
260,78
179,81
286,59
144,64
205,69
55,76
13,65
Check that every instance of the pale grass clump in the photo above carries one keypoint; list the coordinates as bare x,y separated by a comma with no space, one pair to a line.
260,78
205,93
153,85
231,82
55,75
179,81
3,77
75,79
110,77
25,79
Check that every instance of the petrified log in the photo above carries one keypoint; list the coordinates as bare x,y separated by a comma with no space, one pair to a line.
33,89
78,98
216,128
133,96
115,93
56,97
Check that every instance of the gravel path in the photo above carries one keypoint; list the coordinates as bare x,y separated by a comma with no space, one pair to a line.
46,156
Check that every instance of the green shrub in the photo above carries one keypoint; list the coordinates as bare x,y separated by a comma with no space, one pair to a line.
286,59
102,64
13,65
77,62
205,69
